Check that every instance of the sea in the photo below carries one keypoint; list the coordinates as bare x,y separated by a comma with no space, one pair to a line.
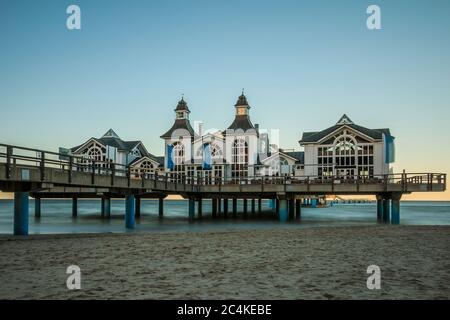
56,217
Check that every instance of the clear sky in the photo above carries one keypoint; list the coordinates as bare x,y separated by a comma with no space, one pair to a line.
302,64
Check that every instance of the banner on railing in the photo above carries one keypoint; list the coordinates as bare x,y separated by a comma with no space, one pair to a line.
206,156
170,164
389,148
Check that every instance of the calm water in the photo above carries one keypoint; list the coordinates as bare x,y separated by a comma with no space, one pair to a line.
56,217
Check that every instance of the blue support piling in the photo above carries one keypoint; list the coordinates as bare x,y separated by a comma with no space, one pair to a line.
379,209
21,212
191,209
386,210
298,209
37,207
161,207
313,203
103,207
283,210
395,213
234,207
129,211
225,207
291,208
74,206
107,207
200,208
137,209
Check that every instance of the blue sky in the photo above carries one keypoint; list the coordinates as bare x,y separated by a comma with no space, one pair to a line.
302,64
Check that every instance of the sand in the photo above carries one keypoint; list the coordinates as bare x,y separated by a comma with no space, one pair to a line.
315,263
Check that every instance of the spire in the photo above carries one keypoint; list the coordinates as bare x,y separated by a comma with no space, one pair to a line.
242,100
110,134
344,120
182,105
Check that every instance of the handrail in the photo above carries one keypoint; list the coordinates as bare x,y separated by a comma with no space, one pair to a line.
72,163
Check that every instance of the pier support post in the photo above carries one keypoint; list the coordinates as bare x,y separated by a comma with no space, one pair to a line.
21,213
37,207
219,205
200,209
386,210
107,207
253,206
282,210
129,211
395,213
191,209
379,208
291,207
225,207
160,207
234,207
138,207
259,206
214,207
245,207
102,207
74,206
298,209
277,207
314,203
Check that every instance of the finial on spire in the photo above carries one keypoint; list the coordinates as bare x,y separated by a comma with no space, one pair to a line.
242,91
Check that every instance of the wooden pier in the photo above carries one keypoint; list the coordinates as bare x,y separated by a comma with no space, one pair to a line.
43,174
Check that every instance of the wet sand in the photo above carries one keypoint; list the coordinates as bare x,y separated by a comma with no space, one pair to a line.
315,263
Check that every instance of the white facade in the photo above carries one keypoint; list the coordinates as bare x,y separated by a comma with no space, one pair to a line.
346,151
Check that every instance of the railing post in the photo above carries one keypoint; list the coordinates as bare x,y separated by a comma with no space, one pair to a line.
93,173
113,173
42,165
129,175
165,180
70,168
9,152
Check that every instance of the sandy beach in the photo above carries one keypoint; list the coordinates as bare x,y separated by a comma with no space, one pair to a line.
315,263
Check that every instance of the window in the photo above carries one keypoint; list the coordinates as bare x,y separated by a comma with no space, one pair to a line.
345,154
239,153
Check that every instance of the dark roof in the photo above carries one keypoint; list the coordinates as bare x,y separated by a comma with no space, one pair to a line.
242,100
241,122
180,124
299,155
158,159
376,134
113,142
182,106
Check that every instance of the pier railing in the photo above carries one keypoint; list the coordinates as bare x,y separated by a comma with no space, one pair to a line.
13,157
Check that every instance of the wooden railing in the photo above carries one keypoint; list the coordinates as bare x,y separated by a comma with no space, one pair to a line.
15,156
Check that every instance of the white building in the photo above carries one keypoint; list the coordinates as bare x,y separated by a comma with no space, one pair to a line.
347,150
111,148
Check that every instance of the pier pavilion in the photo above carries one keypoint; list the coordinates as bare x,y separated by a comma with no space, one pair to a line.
42,174
222,166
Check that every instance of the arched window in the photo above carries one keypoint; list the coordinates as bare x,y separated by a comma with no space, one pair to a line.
94,153
239,153
178,153
216,151
145,167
